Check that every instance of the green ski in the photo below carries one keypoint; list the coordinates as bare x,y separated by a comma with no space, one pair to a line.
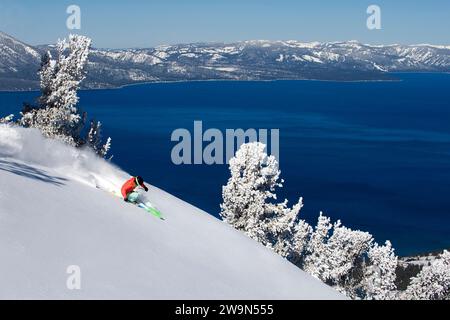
150,209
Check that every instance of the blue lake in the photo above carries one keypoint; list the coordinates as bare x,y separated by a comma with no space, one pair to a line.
374,154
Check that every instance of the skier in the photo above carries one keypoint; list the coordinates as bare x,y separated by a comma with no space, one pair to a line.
129,186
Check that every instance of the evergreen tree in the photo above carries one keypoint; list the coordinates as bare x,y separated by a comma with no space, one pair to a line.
302,235
433,282
316,251
379,273
95,139
46,74
344,248
7,119
247,199
56,114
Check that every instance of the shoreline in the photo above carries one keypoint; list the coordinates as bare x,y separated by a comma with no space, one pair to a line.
240,80
212,80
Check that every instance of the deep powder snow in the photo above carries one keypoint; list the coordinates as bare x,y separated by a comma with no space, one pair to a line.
56,211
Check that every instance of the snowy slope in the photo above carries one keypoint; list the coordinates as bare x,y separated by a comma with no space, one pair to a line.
52,216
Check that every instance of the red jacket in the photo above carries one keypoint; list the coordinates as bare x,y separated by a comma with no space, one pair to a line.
129,186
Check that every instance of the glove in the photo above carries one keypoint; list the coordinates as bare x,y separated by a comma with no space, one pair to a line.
146,189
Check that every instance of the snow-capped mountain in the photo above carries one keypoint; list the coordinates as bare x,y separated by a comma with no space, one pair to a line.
248,60
18,64
57,211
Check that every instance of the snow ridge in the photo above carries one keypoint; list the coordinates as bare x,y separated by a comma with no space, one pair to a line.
249,60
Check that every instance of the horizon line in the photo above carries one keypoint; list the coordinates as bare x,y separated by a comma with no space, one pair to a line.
440,46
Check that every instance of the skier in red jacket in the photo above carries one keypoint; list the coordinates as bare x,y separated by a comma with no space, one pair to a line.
131,184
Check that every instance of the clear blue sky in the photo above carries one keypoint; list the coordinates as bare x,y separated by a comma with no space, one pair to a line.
145,23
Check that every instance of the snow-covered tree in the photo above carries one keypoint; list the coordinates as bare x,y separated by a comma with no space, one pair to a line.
248,199
64,77
282,228
316,250
7,119
56,114
335,254
253,178
46,74
345,247
432,282
95,139
302,235
379,273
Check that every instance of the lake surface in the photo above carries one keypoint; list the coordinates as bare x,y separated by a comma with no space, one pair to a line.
374,154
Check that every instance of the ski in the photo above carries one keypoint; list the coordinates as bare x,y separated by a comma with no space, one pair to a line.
150,209
146,206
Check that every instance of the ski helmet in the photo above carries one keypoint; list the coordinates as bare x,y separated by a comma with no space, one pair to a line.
139,180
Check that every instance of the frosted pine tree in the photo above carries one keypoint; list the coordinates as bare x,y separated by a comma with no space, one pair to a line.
301,237
247,199
7,119
433,282
345,248
335,253
95,139
316,250
105,148
282,228
57,115
46,75
379,273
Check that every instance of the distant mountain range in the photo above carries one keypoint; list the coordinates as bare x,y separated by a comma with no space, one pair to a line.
247,60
